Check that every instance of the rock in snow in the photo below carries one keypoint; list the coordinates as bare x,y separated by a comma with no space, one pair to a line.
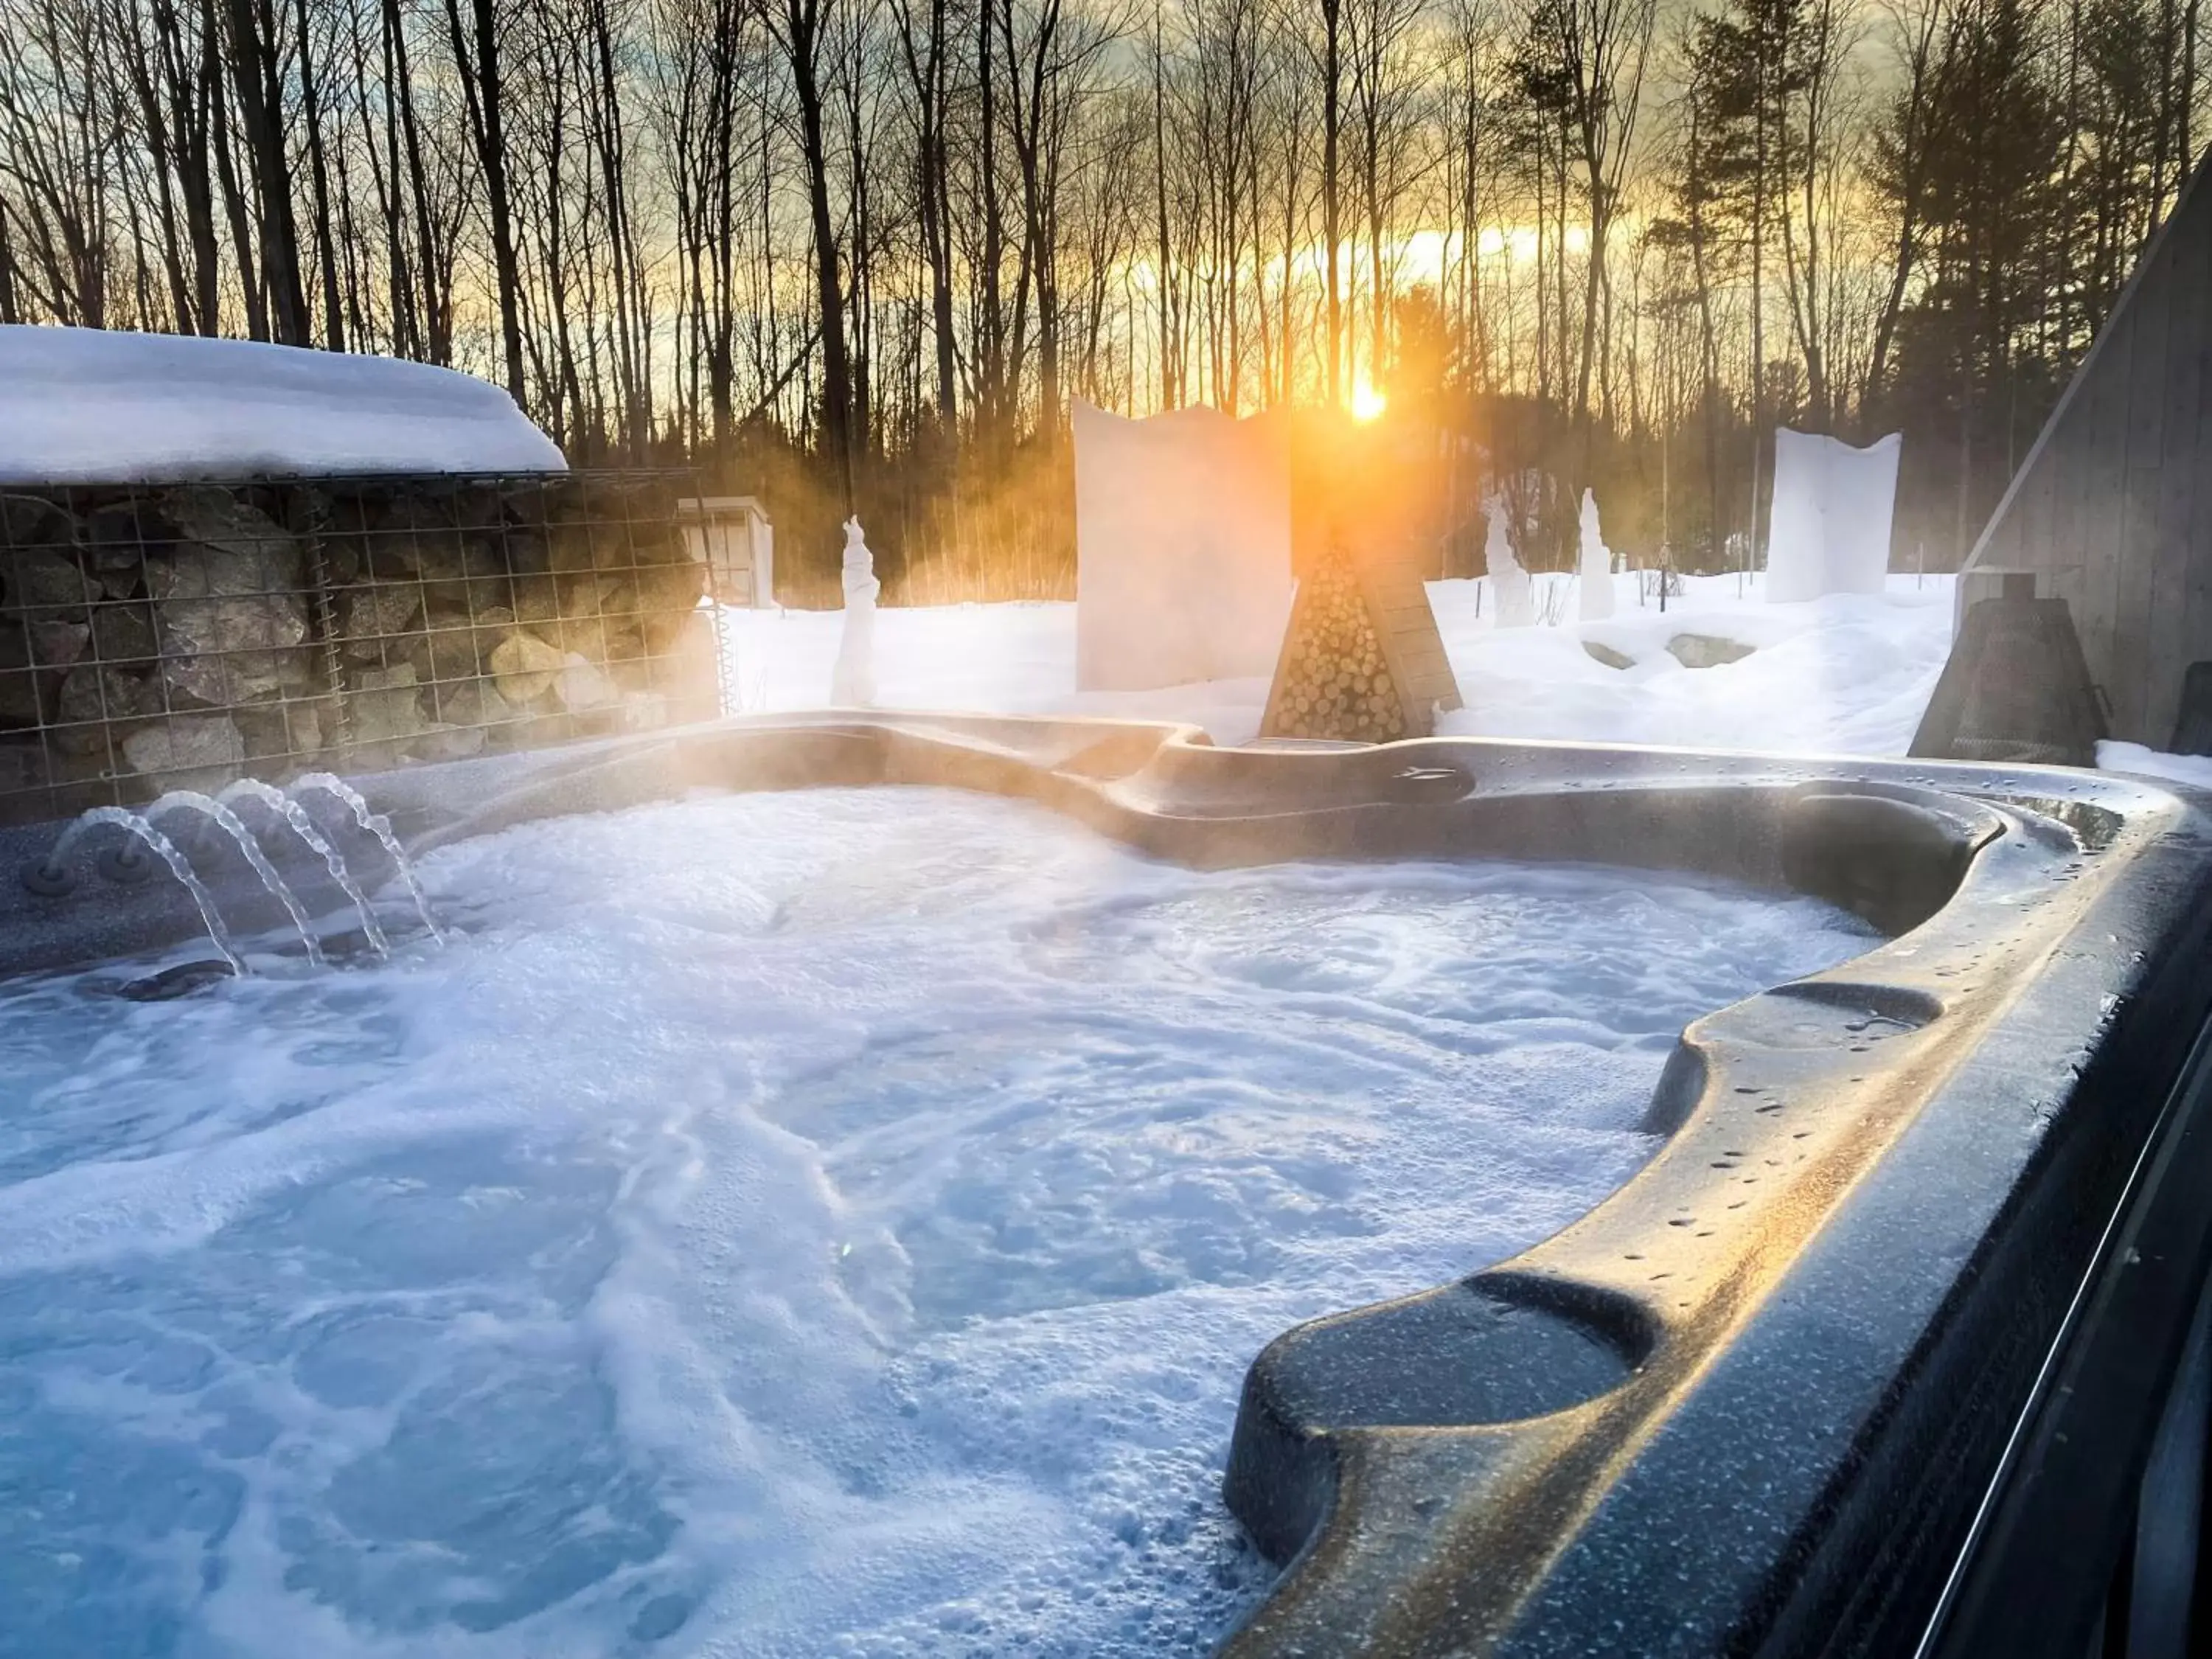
1706,650
80,405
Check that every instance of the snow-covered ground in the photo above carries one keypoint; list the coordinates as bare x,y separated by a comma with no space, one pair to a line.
83,405
783,1226
2195,770
1847,674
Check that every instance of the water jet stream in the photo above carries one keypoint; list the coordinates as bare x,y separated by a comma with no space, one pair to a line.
164,849
379,826
232,826
296,815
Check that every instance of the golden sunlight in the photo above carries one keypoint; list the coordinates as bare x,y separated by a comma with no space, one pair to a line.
1368,403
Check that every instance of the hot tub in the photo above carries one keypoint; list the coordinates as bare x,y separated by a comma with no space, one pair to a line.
1802,1318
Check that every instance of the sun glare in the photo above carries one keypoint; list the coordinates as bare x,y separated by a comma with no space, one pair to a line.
1367,403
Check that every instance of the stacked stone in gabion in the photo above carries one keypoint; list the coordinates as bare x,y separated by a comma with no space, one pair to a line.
1334,679
184,633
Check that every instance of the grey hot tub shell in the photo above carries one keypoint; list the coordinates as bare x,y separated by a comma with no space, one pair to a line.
1793,1388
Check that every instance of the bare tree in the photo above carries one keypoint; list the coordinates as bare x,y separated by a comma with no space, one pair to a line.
861,255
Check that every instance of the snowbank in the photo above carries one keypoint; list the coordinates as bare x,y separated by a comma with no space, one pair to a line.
1846,674
2195,771
81,405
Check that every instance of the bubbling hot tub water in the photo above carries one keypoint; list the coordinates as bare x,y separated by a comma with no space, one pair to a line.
833,1222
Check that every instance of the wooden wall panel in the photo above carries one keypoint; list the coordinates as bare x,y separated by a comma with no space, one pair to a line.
2169,650
2113,504
2093,449
2197,624
2127,572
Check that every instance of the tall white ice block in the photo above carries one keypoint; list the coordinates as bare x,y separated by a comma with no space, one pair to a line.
1828,531
1183,548
1596,571
853,681
1516,599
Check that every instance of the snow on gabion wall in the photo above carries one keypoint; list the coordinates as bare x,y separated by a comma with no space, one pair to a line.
89,405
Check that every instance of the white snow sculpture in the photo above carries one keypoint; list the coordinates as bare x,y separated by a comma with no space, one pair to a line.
1596,582
80,405
1828,527
1183,548
852,683
1516,601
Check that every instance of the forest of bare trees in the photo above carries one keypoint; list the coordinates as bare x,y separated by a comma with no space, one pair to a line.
867,251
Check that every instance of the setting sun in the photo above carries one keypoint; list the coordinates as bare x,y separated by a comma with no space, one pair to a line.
1367,401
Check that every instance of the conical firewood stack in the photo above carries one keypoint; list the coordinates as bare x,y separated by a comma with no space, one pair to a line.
1362,660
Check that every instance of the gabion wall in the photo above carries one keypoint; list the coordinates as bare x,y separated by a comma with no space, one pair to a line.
167,636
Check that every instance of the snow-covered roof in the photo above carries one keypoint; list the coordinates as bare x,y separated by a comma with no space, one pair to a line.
80,405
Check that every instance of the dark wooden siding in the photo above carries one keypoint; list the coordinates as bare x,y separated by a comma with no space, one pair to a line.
2114,503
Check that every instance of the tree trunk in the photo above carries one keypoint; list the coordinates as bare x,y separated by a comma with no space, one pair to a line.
1332,12
926,71
478,67
12,309
1169,369
435,328
253,74
233,195
992,348
318,179
801,39
1758,304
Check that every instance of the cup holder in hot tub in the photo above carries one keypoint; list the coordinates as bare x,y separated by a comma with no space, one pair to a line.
1494,1349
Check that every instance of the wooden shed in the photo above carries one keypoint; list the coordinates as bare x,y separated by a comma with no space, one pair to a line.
2111,510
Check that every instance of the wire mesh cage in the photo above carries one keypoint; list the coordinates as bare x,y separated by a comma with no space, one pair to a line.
159,636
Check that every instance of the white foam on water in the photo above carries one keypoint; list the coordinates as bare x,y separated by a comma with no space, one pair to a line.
827,1224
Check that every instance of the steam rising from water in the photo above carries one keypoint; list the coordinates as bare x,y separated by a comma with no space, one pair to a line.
820,1224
